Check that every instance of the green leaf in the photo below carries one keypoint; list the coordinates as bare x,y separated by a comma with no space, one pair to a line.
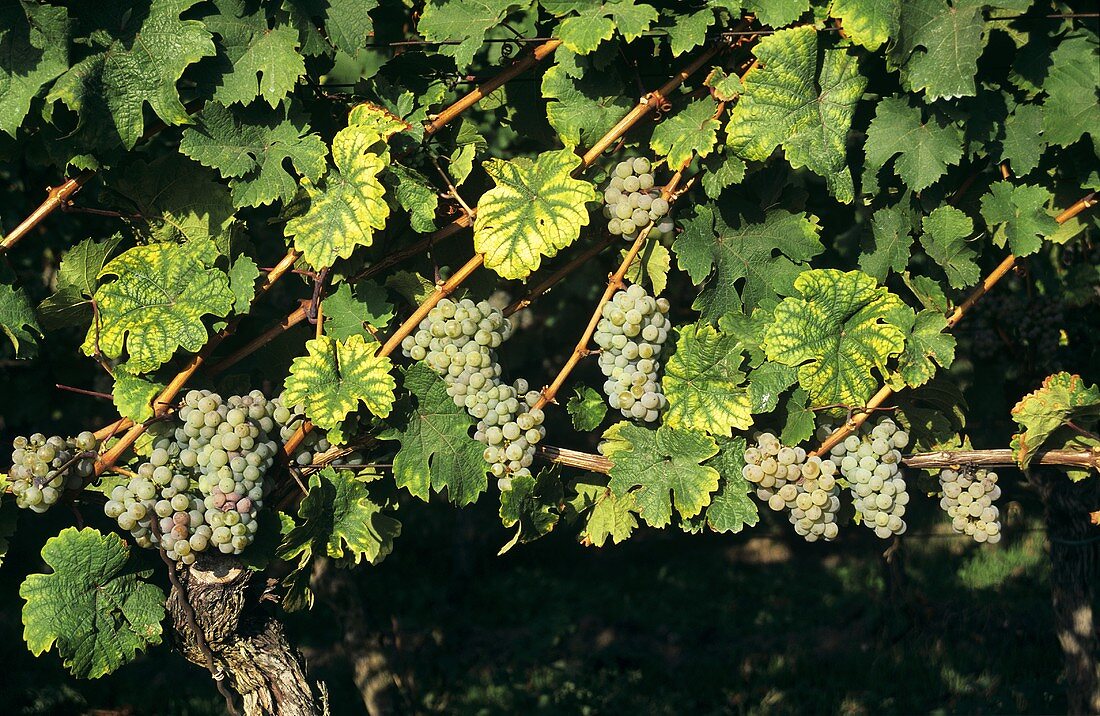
536,209
731,509
1019,215
924,149
436,451
946,230
416,195
256,58
252,148
346,311
157,302
767,382
348,24
1063,398
347,206
97,612
242,282
146,55
650,267
1071,109
891,228
1023,143
722,170
787,102
766,256
532,505
71,303
598,21
581,110
659,462
587,408
34,49
336,376
686,32
868,22
837,334
938,46
464,20
17,321
799,425
134,395
690,132
722,86
926,340
703,381
605,514
776,13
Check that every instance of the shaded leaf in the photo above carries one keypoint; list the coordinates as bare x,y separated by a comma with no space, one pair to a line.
587,409
946,230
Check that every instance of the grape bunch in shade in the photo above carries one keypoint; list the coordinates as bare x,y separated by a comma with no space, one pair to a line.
43,468
631,201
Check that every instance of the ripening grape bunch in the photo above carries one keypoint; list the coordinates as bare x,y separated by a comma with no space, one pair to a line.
870,461
630,334
631,201
967,498
458,340
786,479
43,468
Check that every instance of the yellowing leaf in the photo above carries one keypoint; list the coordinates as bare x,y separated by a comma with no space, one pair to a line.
703,381
536,209
1063,398
336,376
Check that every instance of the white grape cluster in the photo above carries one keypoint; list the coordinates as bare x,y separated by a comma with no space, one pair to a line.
315,442
631,202
630,335
968,496
43,468
787,479
871,463
457,340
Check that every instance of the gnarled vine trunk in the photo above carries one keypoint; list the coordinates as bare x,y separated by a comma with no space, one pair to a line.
247,641
1073,572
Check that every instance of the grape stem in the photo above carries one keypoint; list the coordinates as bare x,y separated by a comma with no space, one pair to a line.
614,283
961,310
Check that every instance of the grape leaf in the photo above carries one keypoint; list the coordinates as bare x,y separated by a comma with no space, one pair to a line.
723,170
242,282
335,376
731,509
722,86
768,256
144,59
924,149
703,381
776,13
1062,398
133,395
868,22
251,148
34,50
690,132
463,20
799,424
71,303
346,311
938,46
598,21
767,382
532,505
581,110
837,334
658,462
256,58
346,206
535,210
348,24
96,611
605,514
17,321
415,194
784,103
1071,108
650,267
1023,143
157,302
686,32
436,451
891,228
587,409
944,239
1019,215
926,340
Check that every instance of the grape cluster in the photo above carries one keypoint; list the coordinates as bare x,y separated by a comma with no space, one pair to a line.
787,479
631,202
43,468
630,335
871,462
968,496
457,340
1016,320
